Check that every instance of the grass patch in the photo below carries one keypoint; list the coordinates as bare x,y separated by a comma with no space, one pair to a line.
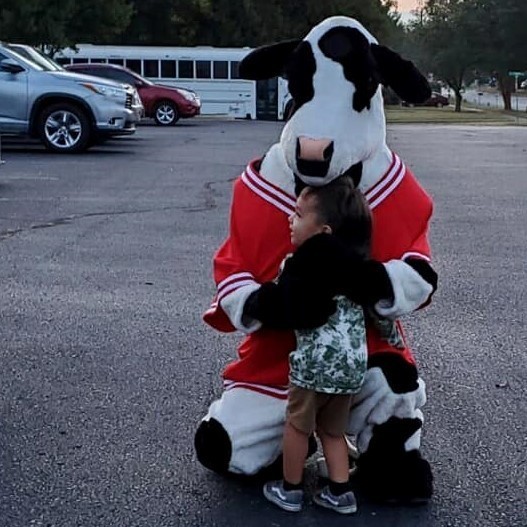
447,115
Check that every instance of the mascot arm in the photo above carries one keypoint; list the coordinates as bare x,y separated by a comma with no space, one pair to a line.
412,277
301,297
413,282
233,305
247,257
291,303
397,286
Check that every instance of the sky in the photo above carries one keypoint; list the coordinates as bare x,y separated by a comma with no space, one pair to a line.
406,5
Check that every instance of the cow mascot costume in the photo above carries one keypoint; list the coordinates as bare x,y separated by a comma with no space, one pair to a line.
337,127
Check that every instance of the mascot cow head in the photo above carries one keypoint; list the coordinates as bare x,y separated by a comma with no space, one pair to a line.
334,76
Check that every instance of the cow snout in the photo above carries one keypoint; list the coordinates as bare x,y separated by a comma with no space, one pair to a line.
314,149
313,156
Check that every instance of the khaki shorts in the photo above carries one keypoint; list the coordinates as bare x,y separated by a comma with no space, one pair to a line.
309,411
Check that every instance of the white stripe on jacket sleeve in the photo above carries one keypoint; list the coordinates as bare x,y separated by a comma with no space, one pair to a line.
233,303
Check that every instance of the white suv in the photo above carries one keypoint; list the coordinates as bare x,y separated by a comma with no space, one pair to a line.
68,112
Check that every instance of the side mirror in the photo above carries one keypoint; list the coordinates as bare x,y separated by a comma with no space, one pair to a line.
139,84
10,66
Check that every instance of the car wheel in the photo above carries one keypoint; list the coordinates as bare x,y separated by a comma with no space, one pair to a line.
65,128
439,105
166,114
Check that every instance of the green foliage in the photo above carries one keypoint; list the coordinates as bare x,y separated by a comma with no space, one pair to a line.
456,37
61,23
245,22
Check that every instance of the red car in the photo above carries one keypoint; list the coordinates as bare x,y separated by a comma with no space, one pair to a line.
436,100
164,103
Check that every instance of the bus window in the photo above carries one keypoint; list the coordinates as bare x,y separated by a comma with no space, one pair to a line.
168,69
186,69
151,68
221,69
79,61
134,65
203,69
234,70
98,61
117,62
62,61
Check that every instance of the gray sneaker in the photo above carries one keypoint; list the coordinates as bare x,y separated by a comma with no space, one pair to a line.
289,500
343,504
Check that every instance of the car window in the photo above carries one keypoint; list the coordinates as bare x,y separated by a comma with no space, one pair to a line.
35,56
97,72
116,75
25,62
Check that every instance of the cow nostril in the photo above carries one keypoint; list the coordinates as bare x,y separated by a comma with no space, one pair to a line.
328,152
314,149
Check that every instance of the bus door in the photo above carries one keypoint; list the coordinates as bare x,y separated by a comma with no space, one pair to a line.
267,99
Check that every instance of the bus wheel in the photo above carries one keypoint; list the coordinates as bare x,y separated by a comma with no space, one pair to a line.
166,114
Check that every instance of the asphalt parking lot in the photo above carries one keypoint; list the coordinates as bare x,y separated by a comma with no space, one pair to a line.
106,367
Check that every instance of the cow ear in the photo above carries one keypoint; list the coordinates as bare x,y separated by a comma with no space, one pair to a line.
267,61
401,75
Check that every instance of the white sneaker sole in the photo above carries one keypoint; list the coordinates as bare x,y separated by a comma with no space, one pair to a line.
341,510
289,507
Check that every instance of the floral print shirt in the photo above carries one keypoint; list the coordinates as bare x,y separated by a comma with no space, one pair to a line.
332,358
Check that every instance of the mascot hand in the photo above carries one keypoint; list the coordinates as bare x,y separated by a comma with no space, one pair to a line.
337,269
290,304
322,260
367,283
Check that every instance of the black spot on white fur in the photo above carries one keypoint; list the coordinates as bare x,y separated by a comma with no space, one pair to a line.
350,48
299,71
400,375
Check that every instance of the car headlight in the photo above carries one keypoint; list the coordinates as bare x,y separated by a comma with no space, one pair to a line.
189,96
103,89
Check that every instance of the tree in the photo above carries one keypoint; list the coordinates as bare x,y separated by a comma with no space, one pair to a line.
56,24
501,46
458,36
443,35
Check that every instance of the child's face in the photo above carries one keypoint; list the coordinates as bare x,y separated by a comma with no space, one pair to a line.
305,222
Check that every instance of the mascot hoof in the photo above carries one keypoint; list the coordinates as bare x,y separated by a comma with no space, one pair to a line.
213,446
389,474
407,480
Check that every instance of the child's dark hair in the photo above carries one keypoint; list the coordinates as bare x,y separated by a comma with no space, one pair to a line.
341,206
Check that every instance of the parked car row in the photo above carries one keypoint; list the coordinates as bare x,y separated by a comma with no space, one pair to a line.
164,103
70,110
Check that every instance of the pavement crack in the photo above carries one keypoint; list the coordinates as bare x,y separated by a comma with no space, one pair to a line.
208,203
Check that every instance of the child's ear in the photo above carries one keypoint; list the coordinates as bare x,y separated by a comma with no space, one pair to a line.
327,229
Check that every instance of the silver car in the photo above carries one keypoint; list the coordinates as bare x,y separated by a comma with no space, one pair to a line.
68,112
34,55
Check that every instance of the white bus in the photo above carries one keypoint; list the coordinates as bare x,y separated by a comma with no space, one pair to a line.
211,72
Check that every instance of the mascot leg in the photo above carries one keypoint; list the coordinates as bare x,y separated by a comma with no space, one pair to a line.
386,420
242,433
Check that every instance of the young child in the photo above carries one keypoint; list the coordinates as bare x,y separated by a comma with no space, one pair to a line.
329,363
